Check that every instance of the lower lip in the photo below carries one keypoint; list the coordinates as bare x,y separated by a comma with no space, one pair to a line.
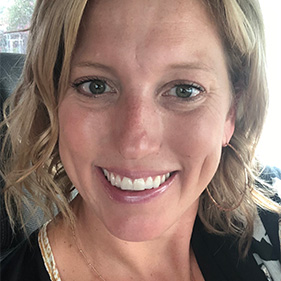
133,197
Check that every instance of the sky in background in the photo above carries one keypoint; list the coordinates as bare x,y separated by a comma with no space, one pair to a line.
269,149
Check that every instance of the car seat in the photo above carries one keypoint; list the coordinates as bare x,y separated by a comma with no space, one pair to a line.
10,71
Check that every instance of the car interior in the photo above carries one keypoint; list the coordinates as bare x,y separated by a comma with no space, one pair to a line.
10,71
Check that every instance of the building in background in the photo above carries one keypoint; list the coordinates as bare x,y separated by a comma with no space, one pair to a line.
14,21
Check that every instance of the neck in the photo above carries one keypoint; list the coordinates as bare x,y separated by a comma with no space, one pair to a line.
163,258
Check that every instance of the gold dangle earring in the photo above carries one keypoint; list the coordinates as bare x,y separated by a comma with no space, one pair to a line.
243,193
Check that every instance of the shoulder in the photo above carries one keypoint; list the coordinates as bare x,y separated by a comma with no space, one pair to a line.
24,262
219,257
266,244
267,221
267,229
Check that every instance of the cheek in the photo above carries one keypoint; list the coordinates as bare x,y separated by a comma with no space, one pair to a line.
197,143
74,141
195,135
79,130
80,137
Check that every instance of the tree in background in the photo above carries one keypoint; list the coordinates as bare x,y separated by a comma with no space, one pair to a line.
14,19
19,14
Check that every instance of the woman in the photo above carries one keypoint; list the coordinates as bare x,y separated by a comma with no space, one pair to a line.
152,110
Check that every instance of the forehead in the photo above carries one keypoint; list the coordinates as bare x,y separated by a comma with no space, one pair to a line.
145,12
146,30
145,17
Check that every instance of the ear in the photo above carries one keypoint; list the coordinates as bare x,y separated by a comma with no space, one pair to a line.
229,125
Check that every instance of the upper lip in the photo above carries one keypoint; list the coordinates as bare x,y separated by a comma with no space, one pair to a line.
136,174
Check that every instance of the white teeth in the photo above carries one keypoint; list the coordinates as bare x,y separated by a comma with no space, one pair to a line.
156,182
105,172
149,183
118,181
112,179
137,184
126,184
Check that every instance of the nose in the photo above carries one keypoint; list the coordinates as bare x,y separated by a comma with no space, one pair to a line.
138,129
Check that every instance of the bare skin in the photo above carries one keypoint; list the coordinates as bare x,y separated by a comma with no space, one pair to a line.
116,261
145,55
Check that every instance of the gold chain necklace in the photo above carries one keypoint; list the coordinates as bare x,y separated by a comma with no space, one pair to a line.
89,264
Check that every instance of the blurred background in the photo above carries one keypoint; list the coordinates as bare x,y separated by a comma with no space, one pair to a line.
270,146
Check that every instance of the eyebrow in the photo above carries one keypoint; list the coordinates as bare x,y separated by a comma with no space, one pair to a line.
193,66
184,66
95,65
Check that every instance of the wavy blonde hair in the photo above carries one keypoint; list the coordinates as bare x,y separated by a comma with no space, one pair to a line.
31,121
235,186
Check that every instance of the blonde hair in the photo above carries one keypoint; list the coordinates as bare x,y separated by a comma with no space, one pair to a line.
32,121
236,181
33,170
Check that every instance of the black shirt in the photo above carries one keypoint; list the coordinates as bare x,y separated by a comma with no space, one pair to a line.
217,256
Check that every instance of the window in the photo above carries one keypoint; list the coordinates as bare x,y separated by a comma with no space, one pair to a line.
269,149
14,17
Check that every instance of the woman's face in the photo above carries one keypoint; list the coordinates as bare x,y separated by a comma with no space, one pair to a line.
149,105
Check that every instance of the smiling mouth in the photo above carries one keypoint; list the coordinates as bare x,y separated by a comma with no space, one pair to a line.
140,184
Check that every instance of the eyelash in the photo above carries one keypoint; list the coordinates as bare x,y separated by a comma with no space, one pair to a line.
76,85
184,84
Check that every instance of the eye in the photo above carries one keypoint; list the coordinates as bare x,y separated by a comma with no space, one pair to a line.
93,87
185,90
